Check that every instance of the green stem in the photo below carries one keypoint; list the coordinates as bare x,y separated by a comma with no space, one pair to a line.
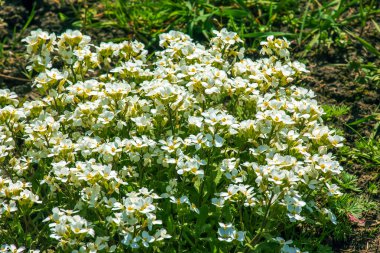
263,223
171,119
180,231
241,215
209,162
73,72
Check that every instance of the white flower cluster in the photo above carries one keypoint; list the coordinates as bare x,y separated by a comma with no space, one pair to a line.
117,143
228,233
68,228
11,248
286,246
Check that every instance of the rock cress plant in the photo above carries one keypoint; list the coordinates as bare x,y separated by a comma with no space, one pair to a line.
197,148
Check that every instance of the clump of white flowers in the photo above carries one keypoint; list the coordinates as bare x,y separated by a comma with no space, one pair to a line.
198,147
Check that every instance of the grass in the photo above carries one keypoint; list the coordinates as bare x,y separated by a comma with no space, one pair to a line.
318,26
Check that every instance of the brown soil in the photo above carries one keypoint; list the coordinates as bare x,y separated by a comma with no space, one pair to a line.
339,81
337,85
14,16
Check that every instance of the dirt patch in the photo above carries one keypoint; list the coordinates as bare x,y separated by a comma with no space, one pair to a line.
14,27
338,78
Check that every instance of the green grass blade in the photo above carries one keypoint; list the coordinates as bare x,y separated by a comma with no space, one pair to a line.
376,26
303,22
365,43
362,120
266,34
30,18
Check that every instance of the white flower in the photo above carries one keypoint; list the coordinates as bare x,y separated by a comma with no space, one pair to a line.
228,233
181,200
161,234
146,239
330,215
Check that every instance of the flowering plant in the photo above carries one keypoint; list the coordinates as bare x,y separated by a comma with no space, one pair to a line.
200,149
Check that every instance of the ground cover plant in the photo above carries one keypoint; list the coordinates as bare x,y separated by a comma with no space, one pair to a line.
336,39
200,149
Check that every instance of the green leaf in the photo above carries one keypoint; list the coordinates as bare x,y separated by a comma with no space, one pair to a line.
265,247
365,43
376,26
218,177
362,120
62,17
266,34
202,217
170,225
30,18
236,13
187,234
197,185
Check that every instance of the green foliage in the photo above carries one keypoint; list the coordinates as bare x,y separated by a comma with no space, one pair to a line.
334,111
350,204
319,26
348,181
350,210
373,188
366,150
